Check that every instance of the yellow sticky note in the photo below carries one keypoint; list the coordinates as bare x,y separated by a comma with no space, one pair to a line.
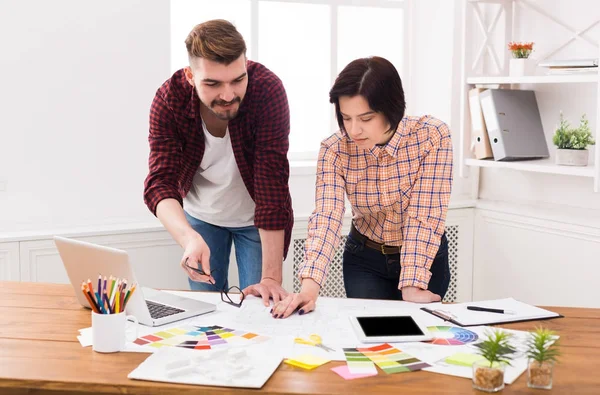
307,361
463,359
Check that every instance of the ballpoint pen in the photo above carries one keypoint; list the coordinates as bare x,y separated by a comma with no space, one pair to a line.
489,310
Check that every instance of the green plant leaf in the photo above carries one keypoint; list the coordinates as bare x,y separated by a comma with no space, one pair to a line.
543,345
566,137
496,347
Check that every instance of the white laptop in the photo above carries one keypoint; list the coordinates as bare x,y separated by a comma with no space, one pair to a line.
151,307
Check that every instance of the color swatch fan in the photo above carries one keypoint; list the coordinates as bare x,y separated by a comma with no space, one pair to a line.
451,335
197,338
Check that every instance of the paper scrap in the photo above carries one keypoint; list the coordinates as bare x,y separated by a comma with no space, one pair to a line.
307,361
85,337
463,359
347,375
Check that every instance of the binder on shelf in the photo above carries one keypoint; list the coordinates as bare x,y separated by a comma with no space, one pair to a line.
480,142
514,125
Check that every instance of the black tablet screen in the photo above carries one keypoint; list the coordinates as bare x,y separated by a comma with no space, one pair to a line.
389,326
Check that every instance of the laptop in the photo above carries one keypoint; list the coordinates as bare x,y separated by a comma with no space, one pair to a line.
151,307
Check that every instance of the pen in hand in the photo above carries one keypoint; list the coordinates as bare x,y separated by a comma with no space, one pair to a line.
489,310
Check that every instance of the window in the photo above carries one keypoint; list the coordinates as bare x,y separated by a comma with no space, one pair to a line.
306,43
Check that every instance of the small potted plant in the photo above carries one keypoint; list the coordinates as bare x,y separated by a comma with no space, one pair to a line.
542,352
572,142
488,373
520,51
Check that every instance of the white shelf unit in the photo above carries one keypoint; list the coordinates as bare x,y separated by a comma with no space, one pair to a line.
468,81
537,166
534,79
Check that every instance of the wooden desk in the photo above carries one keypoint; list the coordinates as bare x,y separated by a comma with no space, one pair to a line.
40,354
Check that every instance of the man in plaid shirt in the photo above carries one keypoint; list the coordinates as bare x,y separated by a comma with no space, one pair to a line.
218,168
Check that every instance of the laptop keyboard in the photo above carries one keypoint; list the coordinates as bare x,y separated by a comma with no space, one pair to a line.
160,310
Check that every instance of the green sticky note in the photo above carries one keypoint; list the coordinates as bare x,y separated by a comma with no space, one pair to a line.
463,359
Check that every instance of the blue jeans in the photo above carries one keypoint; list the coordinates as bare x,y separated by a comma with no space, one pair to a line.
368,274
248,253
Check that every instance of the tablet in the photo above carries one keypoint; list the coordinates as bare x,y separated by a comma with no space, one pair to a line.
384,329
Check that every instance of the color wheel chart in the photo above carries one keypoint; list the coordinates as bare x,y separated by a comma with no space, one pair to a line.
197,338
388,358
451,335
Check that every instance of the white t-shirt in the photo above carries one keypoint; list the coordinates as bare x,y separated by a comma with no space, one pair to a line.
218,194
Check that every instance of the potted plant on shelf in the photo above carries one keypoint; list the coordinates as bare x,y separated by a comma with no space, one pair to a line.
542,352
519,64
488,373
572,142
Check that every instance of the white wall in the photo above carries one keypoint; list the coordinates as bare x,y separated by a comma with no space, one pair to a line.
434,68
81,77
78,78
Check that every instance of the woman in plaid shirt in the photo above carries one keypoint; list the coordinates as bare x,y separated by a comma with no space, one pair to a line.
396,171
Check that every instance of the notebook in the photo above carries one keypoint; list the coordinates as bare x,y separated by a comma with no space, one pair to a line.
458,313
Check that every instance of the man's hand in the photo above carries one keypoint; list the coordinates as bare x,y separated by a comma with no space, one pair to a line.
267,288
197,255
418,295
304,302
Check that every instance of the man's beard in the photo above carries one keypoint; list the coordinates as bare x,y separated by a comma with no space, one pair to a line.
228,115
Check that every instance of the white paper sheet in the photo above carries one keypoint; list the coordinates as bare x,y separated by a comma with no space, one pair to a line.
248,367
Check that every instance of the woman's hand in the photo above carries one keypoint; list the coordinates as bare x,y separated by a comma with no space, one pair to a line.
418,295
304,302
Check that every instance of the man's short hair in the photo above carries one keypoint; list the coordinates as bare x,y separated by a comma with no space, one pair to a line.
378,81
217,40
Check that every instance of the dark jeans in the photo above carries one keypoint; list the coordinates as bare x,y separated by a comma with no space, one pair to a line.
368,274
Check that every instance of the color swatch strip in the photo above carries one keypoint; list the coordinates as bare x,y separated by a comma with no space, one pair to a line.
392,360
358,363
197,338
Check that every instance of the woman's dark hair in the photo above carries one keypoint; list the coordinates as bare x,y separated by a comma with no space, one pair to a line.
377,80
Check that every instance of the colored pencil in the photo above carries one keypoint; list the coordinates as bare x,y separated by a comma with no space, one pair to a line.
99,290
90,301
89,284
92,293
113,293
107,302
117,294
126,298
112,288
95,305
122,294
129,293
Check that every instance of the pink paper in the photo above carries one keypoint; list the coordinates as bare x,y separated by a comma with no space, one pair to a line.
345,373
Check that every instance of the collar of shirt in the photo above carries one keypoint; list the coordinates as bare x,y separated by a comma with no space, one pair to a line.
397,141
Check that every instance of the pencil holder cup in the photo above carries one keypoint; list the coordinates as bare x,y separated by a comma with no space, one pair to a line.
110,331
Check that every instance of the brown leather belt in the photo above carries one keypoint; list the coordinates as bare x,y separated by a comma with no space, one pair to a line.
384,249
